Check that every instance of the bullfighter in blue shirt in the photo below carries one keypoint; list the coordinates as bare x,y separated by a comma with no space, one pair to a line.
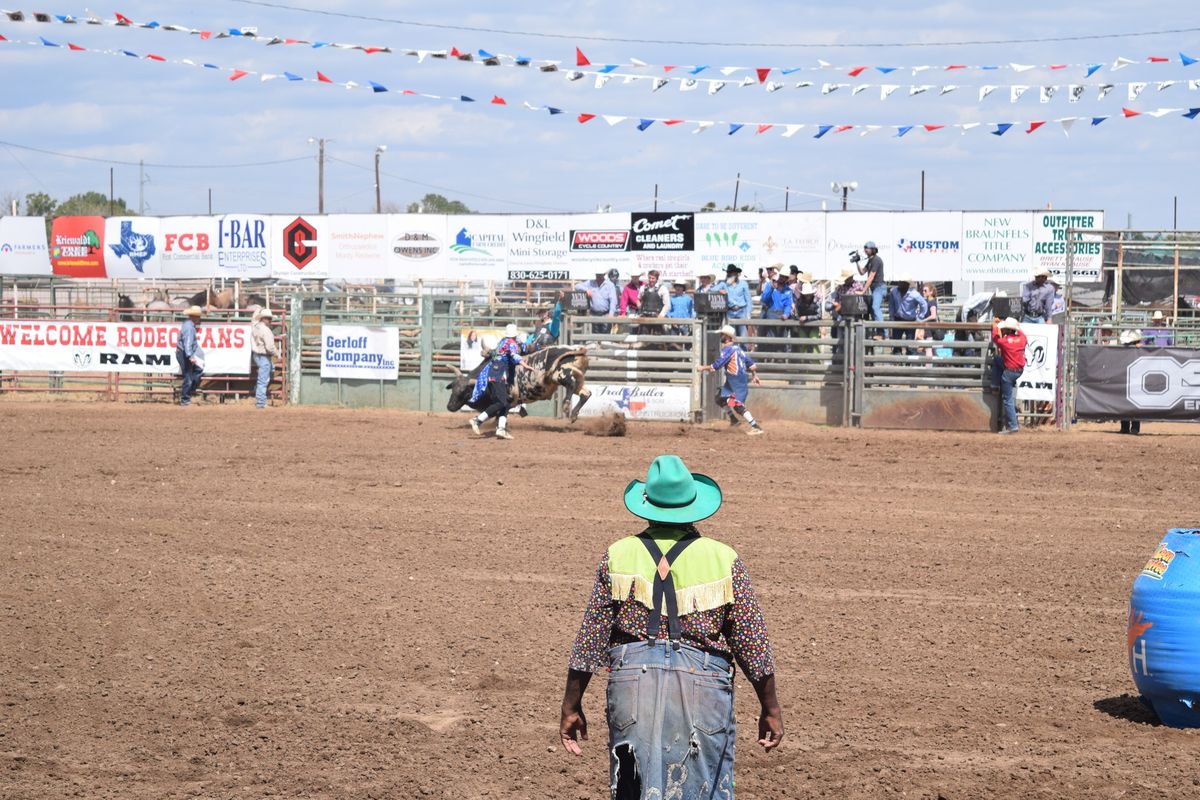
739,369
503,362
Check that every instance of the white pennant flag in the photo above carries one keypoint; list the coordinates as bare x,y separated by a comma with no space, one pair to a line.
573,75
1162,112
947,89
601,80
1104,90
1166,84
703,126
830,88
1066,125
747,81
772,86
966,126
862,87
628,79
637,62
688,84
1194,84
869,129
1075,91
1015,92
715,86
422,55
267,76
350,85
1047,92
984,91
614,120
803,84
727,71
790,130
823,64
917,70
885,91
659,83
1122,62
916,90
1135,89
1021,67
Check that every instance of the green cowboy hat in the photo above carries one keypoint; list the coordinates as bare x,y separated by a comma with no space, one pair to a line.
671,494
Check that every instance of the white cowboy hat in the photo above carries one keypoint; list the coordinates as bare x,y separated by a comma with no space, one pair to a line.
728,331
807,288
488,341
194,311
637,273
846,273
1130,337
510,331
1041,272
708,273
265,313
907,279
1010,324
1157,316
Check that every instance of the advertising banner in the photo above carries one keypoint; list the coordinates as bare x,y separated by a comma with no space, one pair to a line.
360,353
1050,244
187,247
794,238
417,247
23,248
478,247
665,242
244,245
1039,381
727,238
670,403
599,243
357,246
927,247
300,250
539,249
131,247
77,247
144,347
1138,383
846,231
997,246
470,347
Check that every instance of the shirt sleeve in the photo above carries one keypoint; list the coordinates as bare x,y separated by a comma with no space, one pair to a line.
187,340
723,359
747,632
590,653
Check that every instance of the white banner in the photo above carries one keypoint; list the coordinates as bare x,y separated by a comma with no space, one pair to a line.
672,403
243,246
300,248
23,248
599,243
188,247
1050,244
927,247
360,353
846,231
997,246
724,238
417,247
795,238
131,247
81,346
539,249
1040,378
478,247
357,246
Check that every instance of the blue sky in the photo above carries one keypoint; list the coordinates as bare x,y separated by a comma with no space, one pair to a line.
513,160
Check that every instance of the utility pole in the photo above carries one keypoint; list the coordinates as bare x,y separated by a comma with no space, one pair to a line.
112,193
210,201
787,192
379,151
922,190
1175,223
656,197
737,185
320,143
141,188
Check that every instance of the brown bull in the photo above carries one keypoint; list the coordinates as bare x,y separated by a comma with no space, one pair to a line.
553,367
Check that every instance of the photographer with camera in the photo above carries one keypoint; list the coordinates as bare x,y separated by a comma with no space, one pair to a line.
876,284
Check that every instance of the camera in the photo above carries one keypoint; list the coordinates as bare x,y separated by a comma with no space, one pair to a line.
855,257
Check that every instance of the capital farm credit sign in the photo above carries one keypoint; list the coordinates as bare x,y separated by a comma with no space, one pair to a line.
74,346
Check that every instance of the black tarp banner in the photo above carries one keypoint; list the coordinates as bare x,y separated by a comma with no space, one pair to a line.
1138,383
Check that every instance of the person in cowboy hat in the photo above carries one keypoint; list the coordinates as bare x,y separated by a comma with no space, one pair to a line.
737,298
1037,298
631,295
739,369
263,351
670,612
1007,366
707,281
189,354
1131,339
808,309
906,304
504,359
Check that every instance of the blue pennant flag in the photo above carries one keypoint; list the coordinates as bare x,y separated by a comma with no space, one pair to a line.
790,70
734,127
822,130
554,110
319,45
521,61
486,54
211,66
990,66
608,68
1092,69
126,52
48,43
1098,120
903,129
886,70
377,87
1191,113
646,123
1187,60
698,70
465,99
1002,128
235,31
151,25
64,18
291,76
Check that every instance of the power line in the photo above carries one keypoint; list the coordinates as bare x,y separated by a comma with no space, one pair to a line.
595,38
155,166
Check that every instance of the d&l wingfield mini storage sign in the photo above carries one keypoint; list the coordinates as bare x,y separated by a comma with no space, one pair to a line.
357,352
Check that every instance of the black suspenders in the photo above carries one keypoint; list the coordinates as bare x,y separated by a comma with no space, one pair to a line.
664,587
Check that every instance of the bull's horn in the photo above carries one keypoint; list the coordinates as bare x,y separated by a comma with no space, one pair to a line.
457,371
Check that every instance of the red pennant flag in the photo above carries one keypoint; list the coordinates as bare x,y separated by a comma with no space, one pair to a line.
956,66
408,91
497,100
841,128
153,57
763,72
668,68
1157,59
854,73
123,20
672,121
585,117
454,52
322,77
765,128
238,73
370,50
932,128
205,35
1033,126
2,39
1058,66
292,41
580,59
1129,112
73,46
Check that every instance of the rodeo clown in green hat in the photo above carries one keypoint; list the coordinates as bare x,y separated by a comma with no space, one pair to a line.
670,613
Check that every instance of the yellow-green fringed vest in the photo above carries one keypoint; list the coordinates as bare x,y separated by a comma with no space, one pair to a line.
702,574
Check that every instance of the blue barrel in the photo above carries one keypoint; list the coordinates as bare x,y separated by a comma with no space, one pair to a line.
1163,637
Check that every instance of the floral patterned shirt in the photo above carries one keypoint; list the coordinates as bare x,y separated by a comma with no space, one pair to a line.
735,629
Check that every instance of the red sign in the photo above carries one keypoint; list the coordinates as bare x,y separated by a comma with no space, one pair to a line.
600,240
299,243
77,247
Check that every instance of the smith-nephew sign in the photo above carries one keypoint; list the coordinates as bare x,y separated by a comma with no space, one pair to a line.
75,346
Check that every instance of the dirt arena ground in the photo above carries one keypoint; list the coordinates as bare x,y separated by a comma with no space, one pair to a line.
218,603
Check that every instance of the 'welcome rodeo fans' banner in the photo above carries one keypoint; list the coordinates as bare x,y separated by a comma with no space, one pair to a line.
73,346
1138,383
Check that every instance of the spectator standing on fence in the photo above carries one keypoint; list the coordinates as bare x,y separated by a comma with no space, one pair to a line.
905,304
738,369
1037,298
777,303
738,298
1160,335
262,346
707,282
929,292
655,297
682,306
1007,366
875,283
1132,339
602,300
631,295
669,614
807,310
189,355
